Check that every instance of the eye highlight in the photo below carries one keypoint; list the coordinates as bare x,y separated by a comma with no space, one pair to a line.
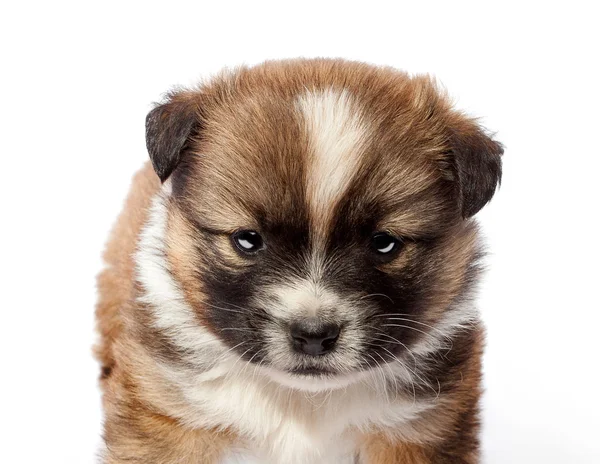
247,241
383,243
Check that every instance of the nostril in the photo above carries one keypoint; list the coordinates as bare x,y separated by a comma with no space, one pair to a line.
328,344
299,339
332,332
314,339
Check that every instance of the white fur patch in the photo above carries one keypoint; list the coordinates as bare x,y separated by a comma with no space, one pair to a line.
439,337
336,134
284,425
301,298
163,295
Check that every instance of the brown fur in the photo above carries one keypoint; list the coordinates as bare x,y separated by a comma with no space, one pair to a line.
239,122
116,283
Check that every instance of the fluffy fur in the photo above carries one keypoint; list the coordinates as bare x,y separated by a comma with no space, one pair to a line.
199,364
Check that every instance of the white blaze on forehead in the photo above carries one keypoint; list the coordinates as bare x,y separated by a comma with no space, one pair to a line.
336,133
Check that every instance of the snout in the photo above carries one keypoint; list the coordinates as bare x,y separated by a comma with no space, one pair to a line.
313,337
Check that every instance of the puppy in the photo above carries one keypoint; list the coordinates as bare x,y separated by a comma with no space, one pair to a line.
291,280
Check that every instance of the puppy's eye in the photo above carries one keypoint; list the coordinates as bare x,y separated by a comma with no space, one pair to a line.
248,241
384,244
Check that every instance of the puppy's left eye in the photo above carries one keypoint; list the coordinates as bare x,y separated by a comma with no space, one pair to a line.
384,243
248,241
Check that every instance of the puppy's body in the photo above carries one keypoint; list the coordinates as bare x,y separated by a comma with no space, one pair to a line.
201,361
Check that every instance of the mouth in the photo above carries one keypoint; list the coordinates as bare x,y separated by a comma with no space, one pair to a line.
313,379
311,371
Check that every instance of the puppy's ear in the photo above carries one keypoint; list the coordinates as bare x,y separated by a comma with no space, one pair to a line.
169,127
475,165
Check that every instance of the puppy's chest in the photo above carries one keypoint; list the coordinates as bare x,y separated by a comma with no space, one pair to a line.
276,425
299,432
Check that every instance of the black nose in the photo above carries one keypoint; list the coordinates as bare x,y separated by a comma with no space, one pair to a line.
313,338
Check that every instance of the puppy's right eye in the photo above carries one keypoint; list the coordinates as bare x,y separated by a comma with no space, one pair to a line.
248,241
385,244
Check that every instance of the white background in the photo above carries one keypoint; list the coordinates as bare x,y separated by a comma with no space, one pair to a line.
78,78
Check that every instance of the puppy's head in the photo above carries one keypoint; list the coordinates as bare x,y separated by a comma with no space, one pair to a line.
317,216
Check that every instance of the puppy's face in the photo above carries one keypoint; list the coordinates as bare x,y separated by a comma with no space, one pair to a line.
317,221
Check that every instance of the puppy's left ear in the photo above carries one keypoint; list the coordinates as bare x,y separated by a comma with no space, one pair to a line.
475,165
169,127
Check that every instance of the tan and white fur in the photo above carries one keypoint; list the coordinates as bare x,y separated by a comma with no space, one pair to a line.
291,280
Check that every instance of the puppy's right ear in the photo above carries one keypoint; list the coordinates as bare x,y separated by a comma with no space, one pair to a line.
169,127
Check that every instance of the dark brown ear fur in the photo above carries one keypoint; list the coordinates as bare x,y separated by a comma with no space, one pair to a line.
168,129
476,165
